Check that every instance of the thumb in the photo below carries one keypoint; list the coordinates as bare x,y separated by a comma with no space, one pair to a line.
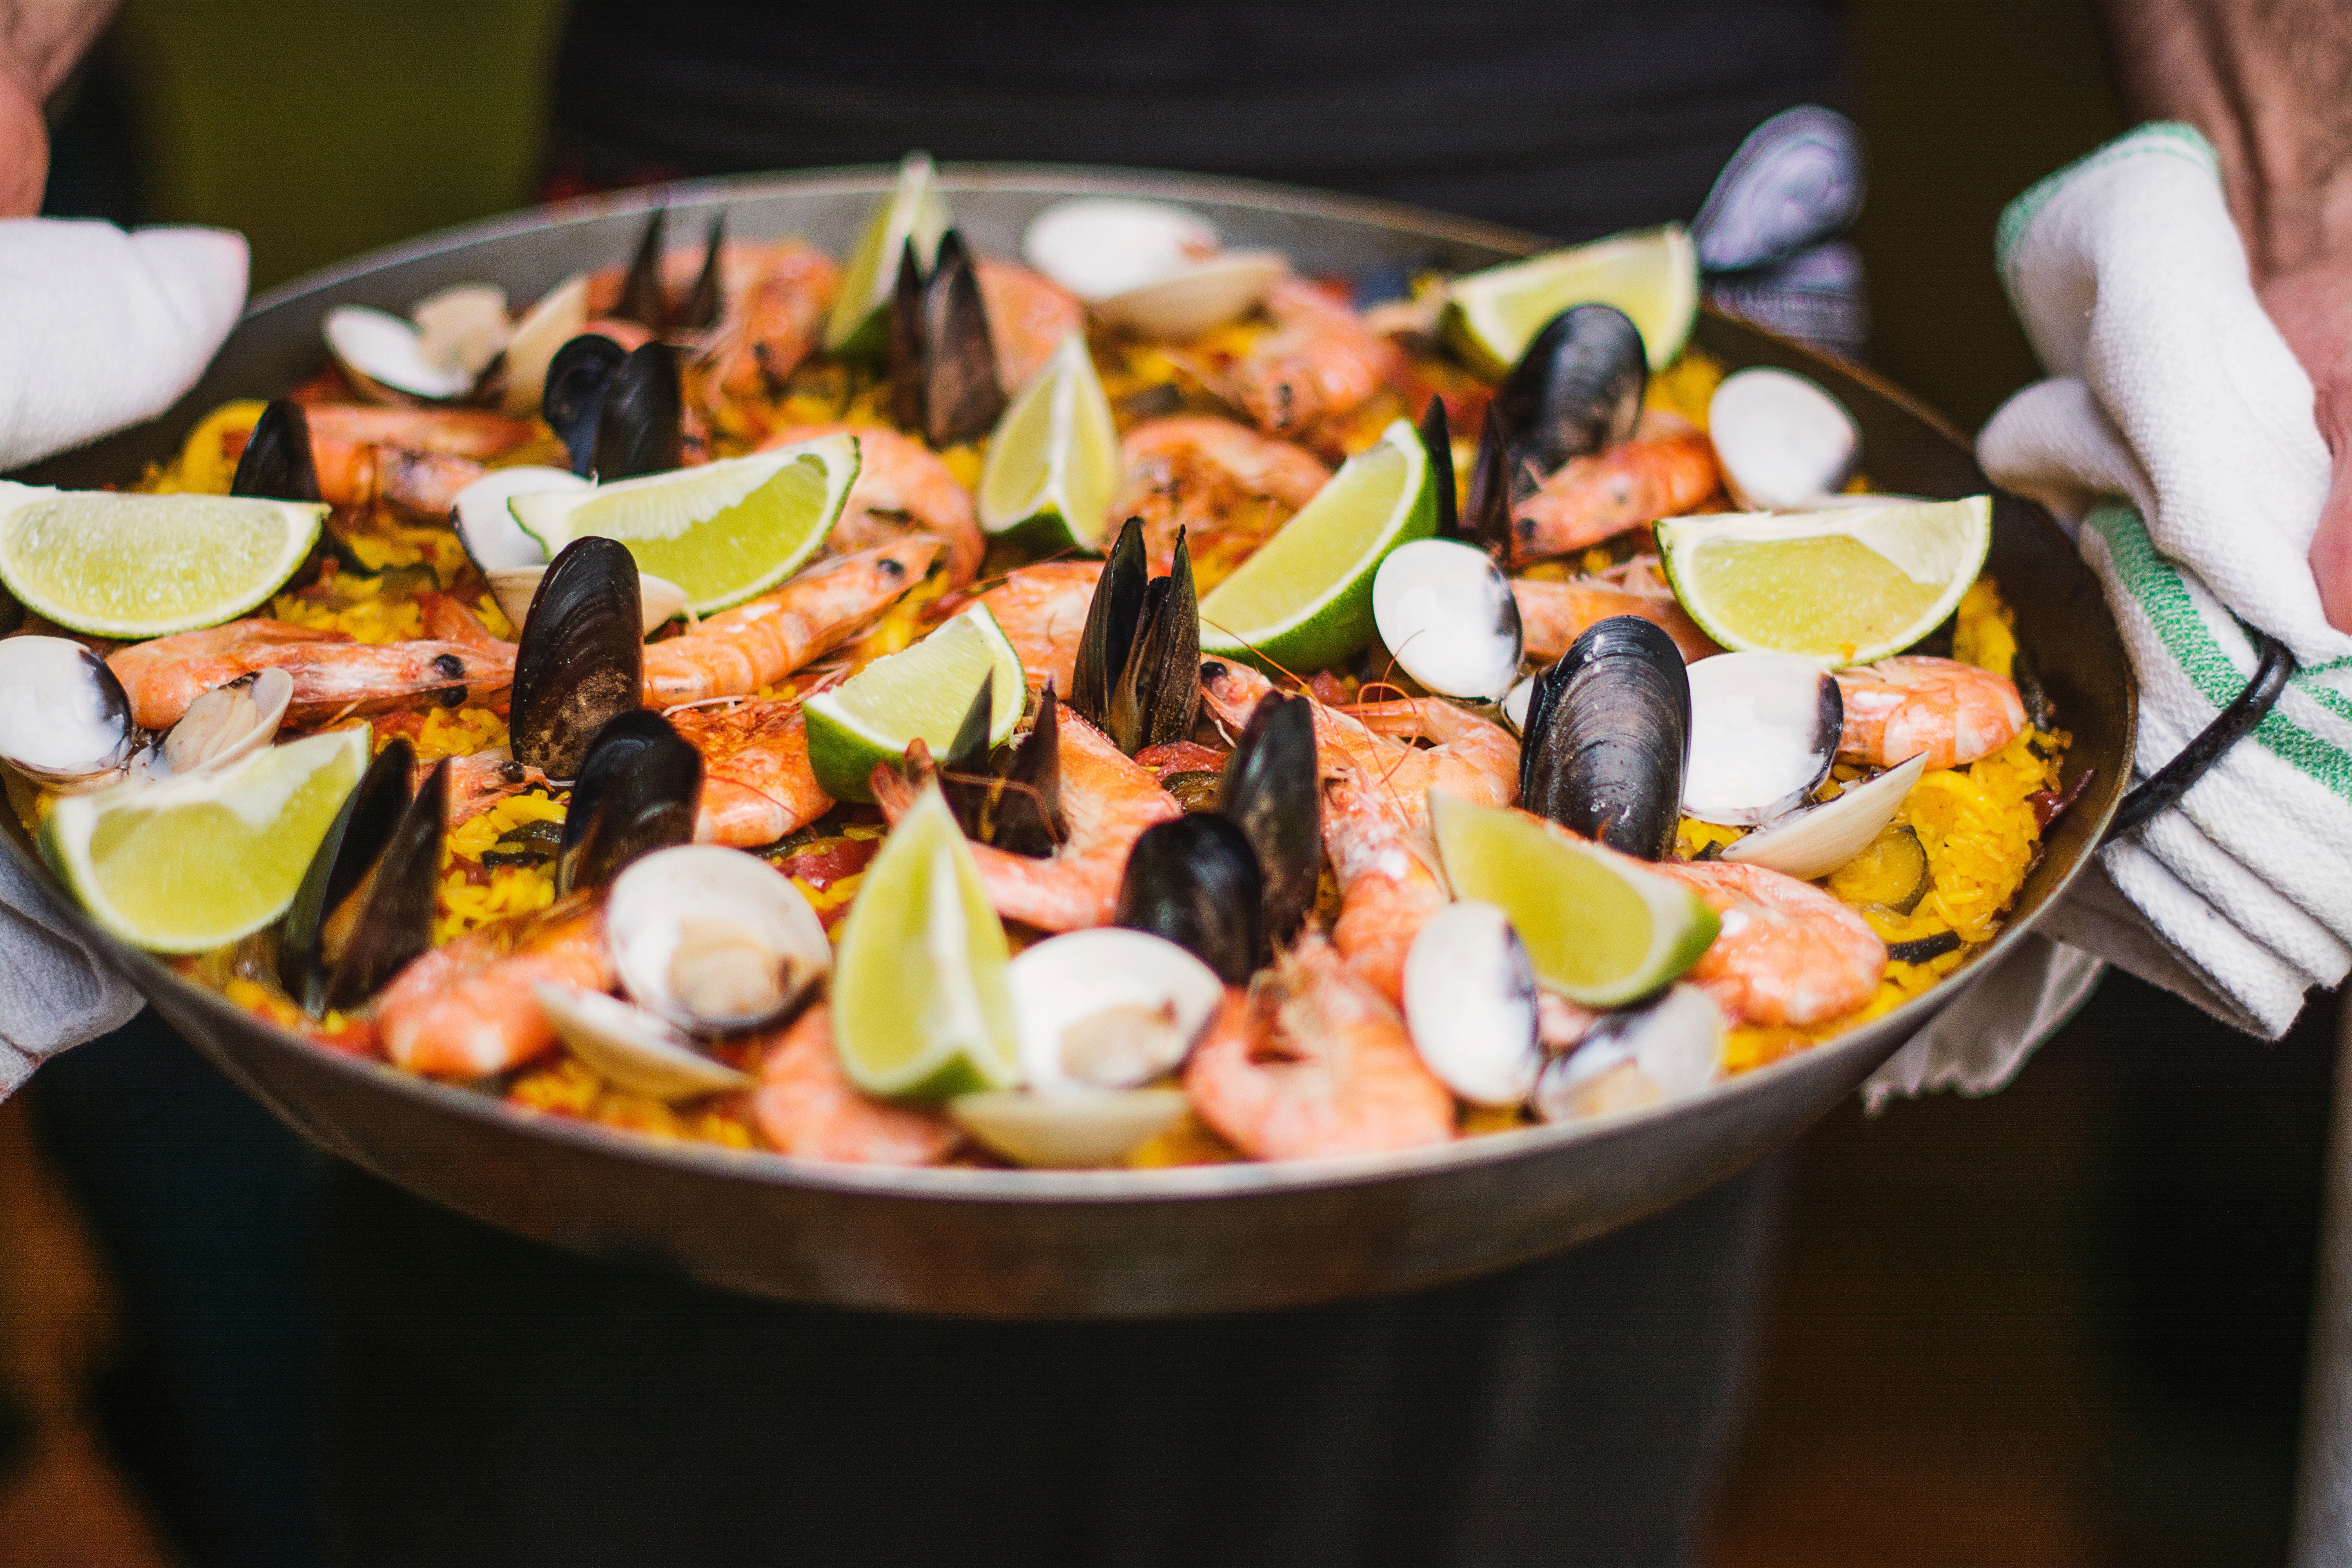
2331,543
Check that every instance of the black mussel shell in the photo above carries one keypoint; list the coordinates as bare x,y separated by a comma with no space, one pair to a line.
642,427
1195,881
1272,791
1020,809
963,767
907,355
962,395
1109,631
1438,437
277,463
1577,389
641,292
578,379
637,792
394,920
582,660
354,844
1608,737
1486,510
701,308
1158,695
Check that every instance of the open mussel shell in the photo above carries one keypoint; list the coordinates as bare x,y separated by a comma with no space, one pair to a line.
65,719
579,377
1108,1008
714,939
226,725
1783,444
516,586
1764,731
1195,881
555,320
382,355
1271,789
632,1048
707,300
1109,630
1017,805
637,791
1817,841
1662,1050
641,299
1445,613
277,463
1578,388
486,525
1067,1132
942,359
1157,697
581,662
1607,738
1437,441
641,426
365,906
1486,520
1470,1005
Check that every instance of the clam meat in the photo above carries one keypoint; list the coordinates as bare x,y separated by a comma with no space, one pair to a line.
712,940
1108,1008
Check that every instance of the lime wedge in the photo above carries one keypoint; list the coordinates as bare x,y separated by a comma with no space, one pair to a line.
921,1007
915,209
1052,462
144,566
1304,602
192,863
924,691
1649,274
1599,929
724,532
1846,585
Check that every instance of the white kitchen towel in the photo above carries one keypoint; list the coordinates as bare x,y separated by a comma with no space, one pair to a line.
101,329
54,991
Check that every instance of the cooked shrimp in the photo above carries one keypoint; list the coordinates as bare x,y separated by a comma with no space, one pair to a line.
481,781
1106,802
736,652
1320,364
1199,475
334,677
466,1009
1042,610
1552,615
1788,954
757,782
448,619
1898,707
901,483
1310,1060
1666,469
1471,757
773,324
806,1105
417,460
1028,316
458,432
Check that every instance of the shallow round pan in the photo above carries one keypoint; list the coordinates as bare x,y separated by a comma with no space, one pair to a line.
1090,1244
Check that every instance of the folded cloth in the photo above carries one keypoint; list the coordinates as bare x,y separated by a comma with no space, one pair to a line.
2176,440
102,329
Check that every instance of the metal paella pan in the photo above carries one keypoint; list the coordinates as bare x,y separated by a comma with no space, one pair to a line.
1021,1244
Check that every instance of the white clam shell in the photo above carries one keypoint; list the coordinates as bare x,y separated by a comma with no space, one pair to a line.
1062,983
1515,706
226,725
631,1046
1445,611
1783,444
655,901
382,353
660,599
1764,730
1470,1005
486,526
1672,1048
1198,298
65,720
560,316
464,326
1816,842
1148,265
1099,1126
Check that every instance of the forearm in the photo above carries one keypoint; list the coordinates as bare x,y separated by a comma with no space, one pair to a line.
40,41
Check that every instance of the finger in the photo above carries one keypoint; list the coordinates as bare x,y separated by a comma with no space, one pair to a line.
2331,542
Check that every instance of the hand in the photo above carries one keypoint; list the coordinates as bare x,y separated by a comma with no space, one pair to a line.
2312,307
40,41
24,145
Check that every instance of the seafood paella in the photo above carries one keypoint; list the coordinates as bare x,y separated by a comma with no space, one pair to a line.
1129,703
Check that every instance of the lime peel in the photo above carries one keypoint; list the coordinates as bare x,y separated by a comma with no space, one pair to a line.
921,691
1052,462
132,566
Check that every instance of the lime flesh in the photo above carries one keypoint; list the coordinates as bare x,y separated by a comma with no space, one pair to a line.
188,865
143,566
921,1005
1052,462
1652,274
922,692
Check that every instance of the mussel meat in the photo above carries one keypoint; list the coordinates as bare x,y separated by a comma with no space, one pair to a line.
943,378
1137,673
1272,791
714,940
1195,881
365,907
65,719
637,791
581,662
1607,738
1764,731
1470,1003
1662,1050
1783,444
277,463
1445,613
1577,389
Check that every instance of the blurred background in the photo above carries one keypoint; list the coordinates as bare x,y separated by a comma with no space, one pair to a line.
2065,1325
